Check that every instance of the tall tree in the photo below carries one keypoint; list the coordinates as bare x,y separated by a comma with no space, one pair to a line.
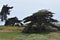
4,12
40,20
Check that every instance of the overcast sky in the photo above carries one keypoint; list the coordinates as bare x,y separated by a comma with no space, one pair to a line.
24,8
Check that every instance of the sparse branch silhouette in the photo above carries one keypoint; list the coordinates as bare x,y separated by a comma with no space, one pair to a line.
4,12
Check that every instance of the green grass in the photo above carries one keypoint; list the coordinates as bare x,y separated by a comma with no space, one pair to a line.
14,34
25,36
8,35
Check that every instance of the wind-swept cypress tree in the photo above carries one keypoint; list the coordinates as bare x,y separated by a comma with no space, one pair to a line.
40,21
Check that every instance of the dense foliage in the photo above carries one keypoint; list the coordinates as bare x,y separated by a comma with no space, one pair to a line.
40,21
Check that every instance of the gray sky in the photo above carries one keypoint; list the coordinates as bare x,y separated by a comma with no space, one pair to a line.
24,8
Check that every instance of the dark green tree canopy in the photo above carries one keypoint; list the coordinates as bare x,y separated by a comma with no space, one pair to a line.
13,21
42,16
41,19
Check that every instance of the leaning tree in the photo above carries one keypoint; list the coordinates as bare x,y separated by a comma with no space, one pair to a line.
40,21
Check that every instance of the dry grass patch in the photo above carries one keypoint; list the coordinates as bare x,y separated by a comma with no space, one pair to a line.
10,29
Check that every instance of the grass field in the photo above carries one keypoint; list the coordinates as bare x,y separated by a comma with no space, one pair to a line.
16,35
24,36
